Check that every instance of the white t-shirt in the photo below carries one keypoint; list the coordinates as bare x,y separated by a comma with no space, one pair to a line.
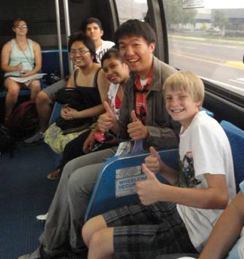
112,93
102,49
237,252
204,148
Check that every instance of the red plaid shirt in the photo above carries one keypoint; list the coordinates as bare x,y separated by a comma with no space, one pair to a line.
141,96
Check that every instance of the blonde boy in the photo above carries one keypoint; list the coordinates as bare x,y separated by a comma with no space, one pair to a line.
179,217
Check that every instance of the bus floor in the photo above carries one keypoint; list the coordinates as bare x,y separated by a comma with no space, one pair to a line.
24,193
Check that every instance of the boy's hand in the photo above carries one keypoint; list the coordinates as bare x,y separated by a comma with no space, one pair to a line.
148,190
106,120
136,129
153,161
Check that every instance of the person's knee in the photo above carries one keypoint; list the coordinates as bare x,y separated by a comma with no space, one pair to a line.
92,226
68,170
87,233
101,244
13,91
76,183
42,99
96,241
35,86
80,185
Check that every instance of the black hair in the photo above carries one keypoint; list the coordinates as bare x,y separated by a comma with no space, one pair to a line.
89,21
88,42
15,21
112,52
136,28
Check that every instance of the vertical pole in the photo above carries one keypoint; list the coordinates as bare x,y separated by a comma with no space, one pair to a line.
67,28
59,38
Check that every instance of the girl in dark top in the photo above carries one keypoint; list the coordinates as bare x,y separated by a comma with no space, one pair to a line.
92,85
117,73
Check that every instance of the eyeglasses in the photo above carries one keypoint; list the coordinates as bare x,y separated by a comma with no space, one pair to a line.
22,26
81,52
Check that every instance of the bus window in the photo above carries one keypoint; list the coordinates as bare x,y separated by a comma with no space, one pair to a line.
131,9
208,40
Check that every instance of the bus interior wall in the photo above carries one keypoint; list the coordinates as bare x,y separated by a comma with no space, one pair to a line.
41,19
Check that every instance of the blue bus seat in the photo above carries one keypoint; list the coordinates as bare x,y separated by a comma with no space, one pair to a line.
116,183
209,113
50,61
50,64
55,112
236,139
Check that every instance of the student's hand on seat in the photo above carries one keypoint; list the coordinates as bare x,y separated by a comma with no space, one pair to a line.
148,190
136,129
89,143
106,120
153,161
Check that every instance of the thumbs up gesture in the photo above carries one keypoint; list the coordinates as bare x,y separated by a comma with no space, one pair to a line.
149,190
110,113
153,161
133,116
136,129
106,120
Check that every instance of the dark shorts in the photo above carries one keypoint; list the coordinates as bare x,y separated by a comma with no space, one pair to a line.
148,231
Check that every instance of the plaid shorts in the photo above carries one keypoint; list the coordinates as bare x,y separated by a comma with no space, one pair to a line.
148,231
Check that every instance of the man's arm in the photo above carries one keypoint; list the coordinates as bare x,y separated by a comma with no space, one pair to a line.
226,230
166,136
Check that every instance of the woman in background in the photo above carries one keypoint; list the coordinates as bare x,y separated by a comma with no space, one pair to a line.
21,57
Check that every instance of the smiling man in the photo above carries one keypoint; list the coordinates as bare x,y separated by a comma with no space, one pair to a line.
143,114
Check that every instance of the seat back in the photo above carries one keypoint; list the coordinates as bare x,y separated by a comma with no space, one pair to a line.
55,112
236,139
116,183
209,113
50,62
